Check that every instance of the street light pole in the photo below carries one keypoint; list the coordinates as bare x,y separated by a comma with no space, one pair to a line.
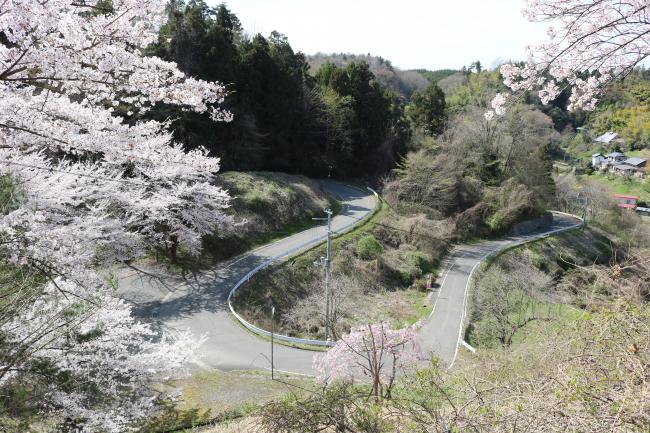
327,264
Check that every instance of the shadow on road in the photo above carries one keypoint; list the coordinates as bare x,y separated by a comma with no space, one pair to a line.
166,297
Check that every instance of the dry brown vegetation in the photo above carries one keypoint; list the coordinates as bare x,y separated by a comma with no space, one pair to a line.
386,286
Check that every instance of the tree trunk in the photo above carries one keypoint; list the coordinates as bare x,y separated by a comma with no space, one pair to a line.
173,250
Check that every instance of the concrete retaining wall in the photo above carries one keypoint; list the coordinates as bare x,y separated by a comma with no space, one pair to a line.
526,227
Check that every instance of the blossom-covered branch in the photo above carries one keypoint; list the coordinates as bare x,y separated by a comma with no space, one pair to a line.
591,43
374,351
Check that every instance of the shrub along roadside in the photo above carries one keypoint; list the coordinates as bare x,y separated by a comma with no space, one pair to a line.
368,247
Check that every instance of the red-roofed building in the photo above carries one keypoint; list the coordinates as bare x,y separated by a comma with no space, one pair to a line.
625,201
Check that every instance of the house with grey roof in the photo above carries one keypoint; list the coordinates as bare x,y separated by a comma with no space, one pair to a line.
638,163
615,157
618,163
609,140
623,169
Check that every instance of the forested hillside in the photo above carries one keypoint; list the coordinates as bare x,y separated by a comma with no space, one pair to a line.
625,109
334,116
285,119
436,76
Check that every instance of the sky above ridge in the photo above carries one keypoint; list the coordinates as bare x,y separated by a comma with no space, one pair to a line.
412,34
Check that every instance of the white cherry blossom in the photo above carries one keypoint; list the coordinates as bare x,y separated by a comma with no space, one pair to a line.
95,190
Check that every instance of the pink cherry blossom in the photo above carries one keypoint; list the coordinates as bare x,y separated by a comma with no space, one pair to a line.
590,44
499,104
373,351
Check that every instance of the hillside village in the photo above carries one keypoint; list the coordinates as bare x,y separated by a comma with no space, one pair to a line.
617,162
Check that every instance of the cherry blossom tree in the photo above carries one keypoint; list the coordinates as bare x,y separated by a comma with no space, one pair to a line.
590,43
374,351
95,188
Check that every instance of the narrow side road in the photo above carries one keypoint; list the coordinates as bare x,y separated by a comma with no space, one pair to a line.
442,332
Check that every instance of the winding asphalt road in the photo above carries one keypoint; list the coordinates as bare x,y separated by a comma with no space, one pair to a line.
441,333
199,303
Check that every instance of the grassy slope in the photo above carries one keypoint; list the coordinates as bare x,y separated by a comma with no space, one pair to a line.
287,283
620,185
214,400
252,299
272,206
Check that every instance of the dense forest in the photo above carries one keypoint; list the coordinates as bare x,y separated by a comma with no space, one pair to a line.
404,83
326,115
337,122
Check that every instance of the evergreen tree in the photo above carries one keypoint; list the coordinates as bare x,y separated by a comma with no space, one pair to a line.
427,110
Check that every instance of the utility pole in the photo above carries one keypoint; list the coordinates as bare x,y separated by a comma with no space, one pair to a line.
272,332
327,262
583,201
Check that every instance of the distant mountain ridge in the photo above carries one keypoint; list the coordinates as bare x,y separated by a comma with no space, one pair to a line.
404,82
437,75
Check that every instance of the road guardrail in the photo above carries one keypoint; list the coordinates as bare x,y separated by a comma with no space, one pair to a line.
496,252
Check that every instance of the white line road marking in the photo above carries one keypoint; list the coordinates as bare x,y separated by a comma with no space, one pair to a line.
442,284
462,317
